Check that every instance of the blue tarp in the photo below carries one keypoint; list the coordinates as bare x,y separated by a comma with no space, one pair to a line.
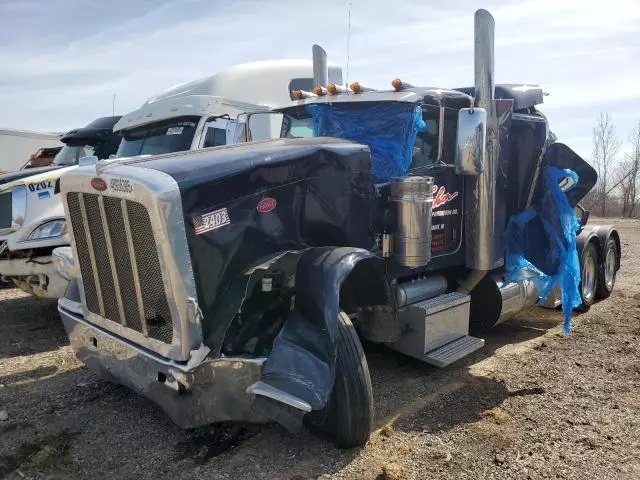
389,129
541,243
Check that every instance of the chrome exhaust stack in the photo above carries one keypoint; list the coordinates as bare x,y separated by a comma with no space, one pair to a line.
483,244
484,58
320,66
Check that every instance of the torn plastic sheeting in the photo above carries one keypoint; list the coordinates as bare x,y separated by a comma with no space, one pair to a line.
388,129
541,243
302,361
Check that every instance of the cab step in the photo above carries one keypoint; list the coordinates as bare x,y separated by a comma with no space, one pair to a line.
453,351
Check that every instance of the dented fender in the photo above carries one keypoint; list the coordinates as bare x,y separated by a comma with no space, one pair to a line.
303,358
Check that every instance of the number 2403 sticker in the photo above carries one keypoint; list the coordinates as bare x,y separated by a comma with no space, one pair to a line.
211,221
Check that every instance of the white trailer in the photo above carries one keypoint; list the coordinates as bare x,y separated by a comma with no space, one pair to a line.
17,146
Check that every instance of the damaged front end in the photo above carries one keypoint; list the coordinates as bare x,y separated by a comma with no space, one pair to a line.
217,312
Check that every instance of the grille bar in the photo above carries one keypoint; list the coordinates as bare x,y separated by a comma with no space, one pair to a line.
112,261
122,276
134,268
92,255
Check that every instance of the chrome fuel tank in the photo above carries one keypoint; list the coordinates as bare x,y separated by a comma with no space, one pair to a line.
413,199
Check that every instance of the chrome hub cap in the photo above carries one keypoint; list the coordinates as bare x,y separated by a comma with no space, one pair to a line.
588,278
610,268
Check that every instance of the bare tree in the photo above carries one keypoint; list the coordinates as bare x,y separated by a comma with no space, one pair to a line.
629,172
606,145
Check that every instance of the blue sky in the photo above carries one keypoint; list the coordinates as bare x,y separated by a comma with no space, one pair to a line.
62,60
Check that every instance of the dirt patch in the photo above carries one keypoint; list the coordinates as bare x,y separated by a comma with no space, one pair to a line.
48,454
531,404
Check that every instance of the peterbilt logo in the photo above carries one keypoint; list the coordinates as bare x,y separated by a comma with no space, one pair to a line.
266,205
99,184
440,196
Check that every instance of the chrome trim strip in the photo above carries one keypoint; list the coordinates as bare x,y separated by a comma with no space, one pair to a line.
134,267
112,262
94,265
536,174
68,304
440,136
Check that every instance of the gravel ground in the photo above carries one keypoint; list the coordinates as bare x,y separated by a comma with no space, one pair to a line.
531,404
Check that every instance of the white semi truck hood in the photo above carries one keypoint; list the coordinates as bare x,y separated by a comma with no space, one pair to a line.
41,204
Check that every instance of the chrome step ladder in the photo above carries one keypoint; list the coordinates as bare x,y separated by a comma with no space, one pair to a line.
436,330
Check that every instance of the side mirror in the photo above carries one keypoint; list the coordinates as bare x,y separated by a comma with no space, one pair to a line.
264,125
470,142
91,160
583,216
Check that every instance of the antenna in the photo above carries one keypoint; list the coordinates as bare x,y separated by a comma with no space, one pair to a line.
113,105
348,42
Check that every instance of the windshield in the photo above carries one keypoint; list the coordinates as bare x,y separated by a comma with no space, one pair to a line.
163,137
425,150
398,142
71,154
293,127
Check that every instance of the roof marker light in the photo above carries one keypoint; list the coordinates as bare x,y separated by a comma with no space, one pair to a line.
334,89
302,94
398,85
319,91
357,87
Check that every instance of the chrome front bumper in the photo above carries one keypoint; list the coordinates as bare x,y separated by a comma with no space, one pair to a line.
37,276
192,395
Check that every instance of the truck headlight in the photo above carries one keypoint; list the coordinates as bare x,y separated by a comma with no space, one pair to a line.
54,228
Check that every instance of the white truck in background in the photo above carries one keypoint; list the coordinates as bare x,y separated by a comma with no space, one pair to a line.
204,113
17,146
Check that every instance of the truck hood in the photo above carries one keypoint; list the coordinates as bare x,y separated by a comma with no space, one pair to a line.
13,176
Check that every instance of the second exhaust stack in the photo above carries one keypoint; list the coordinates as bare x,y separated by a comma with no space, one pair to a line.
483,243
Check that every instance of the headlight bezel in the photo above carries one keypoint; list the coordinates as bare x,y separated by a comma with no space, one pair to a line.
54,228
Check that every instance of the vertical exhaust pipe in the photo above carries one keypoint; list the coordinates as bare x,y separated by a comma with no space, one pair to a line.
320,66
483,241
483,57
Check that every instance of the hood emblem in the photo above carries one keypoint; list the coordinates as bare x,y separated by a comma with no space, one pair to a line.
99,184
266,205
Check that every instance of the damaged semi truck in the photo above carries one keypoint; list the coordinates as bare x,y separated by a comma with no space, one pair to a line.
237,285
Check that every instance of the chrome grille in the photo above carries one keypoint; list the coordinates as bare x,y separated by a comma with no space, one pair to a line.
119,263
5,210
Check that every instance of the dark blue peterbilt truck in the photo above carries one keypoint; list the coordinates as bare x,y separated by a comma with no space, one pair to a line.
235,283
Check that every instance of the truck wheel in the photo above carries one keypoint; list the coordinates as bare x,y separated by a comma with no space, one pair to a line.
588,276
607,277
348,416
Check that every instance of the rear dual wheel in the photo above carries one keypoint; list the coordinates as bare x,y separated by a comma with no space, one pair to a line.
607,276
588,276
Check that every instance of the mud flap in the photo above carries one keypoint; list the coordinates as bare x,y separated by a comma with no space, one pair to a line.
302,362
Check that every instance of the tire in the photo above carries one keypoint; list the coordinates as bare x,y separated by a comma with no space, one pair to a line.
588,276
348,417
607,276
